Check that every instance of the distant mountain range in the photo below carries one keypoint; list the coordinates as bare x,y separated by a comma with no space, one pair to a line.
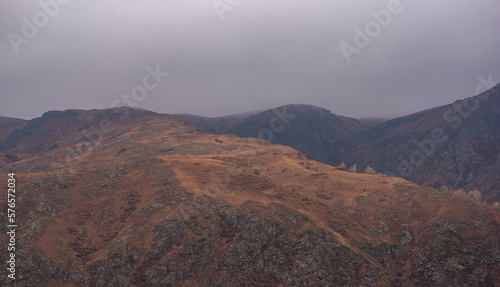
453,146
456,146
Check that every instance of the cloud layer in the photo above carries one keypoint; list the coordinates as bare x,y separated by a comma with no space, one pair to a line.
255,54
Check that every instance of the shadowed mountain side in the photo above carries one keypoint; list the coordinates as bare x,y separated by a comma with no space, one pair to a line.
454,146
8,125
309,129
215,125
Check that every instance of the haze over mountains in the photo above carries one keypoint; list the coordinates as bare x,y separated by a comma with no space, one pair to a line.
125,197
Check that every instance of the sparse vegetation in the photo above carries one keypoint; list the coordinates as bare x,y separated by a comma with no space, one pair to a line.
342,166
369,170
114,255
192,221
241,216
451,241
475,194
197,248
131,259
324,196
308,232
451,234
460,192
353,169
402,235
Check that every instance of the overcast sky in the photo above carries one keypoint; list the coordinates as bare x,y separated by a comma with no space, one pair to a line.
250,55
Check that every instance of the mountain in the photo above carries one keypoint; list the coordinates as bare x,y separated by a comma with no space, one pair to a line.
58,129
453,146
309,129
8,125
371,122
316,131
456,146
135,198
215,125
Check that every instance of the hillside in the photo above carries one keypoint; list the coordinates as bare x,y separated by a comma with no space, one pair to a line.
214,125
371,122
58,129
453,146
8,125
307,128
456,146
156,202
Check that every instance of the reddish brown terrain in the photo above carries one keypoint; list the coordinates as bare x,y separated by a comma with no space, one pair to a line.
456,146
134,198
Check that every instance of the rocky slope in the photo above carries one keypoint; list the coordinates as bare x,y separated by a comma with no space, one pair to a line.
156,202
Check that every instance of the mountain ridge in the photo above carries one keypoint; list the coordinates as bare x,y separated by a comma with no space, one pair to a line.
387,145
156,201
396,146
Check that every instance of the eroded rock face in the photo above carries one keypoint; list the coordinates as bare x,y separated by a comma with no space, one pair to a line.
212,243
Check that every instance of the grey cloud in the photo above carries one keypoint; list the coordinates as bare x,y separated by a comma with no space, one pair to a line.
264,54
